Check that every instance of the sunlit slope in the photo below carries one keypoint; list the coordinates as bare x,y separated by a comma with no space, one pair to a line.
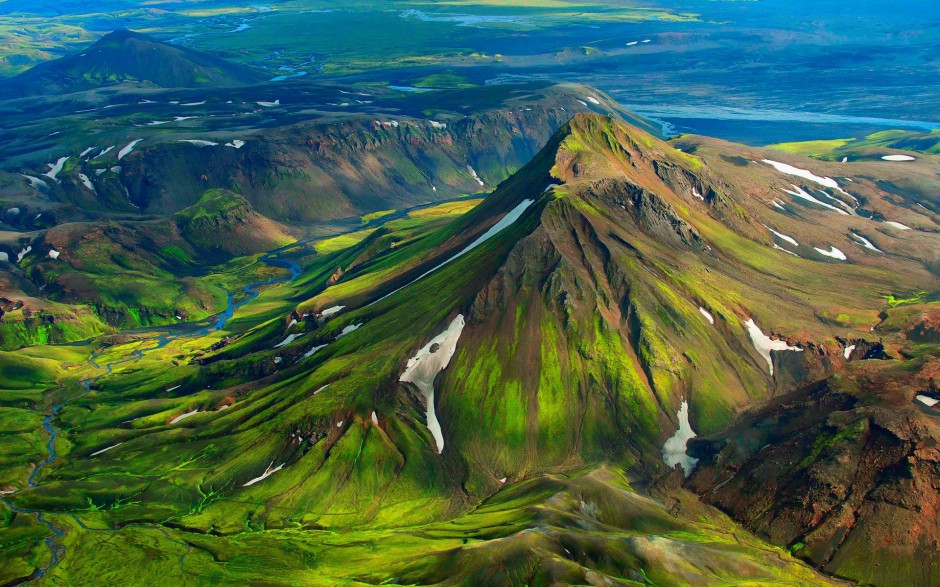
80,279
609,280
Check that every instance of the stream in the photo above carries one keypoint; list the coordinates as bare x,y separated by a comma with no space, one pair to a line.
271,258
56,549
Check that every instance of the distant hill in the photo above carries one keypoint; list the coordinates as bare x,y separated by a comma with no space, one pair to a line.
873,146
128,57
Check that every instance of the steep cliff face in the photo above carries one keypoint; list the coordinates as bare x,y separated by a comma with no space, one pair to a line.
324,171
844,472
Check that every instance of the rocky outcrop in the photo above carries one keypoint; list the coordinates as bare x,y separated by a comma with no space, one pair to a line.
844,472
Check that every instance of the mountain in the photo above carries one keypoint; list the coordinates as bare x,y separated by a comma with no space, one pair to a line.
842,471
505,394
132,273
302,154
319,170
127,57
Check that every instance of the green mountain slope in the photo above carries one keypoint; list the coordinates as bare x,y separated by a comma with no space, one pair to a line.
873,146
495,372
80,279
301,154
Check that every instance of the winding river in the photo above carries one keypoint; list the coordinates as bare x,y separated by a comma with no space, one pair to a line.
56,549
173,332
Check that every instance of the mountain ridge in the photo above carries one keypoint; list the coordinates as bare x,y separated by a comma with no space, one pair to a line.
127,57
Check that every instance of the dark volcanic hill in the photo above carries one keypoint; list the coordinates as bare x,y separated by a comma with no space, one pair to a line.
127,57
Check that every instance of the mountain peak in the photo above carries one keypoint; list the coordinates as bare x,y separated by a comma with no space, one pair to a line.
592,146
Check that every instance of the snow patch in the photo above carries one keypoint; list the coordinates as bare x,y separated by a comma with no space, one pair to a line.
375,418
593,100
35,182
674,451
290,338
837,200
86,151
927,400
269,104
330,311
348,329
848,351
236,144
800,193
53,254
128,148
865,242
198,142
897,225
764,344
707,314
104,152
504,222
423,368
311,352
804,173
104,450
782,236
898,158
86,182
23,253
184,416
475,176
832,252
55,168
696,193
267,473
